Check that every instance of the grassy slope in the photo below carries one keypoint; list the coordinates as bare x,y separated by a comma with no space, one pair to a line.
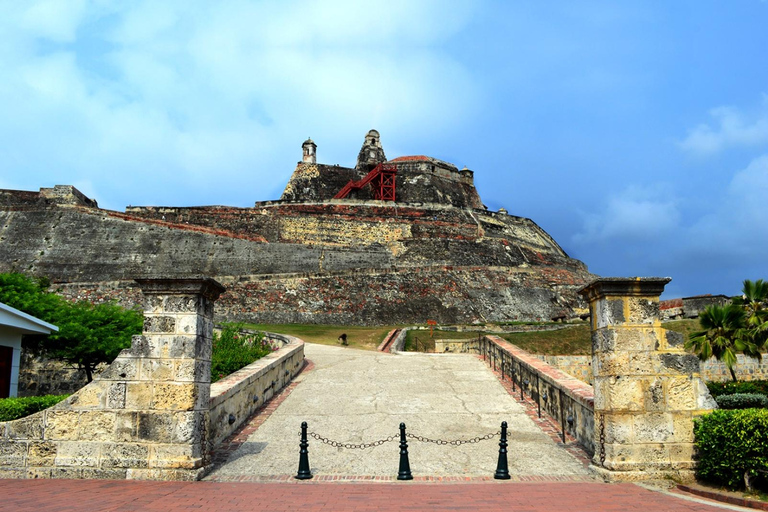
574,340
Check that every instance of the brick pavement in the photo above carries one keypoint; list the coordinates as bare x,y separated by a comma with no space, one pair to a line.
127,496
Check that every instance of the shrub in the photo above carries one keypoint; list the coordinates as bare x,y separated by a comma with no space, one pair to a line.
742,401
234,349
729,388
733,447
14,408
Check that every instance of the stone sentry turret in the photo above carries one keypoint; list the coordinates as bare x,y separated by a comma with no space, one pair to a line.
309,149
371,154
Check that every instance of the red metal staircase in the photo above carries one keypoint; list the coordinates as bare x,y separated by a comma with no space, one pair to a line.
381,179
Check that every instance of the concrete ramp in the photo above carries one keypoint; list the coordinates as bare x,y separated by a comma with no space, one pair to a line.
354,396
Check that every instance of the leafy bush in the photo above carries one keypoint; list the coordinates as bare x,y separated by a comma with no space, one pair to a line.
14,408
88,335
733,447
742,401
234,349
729,388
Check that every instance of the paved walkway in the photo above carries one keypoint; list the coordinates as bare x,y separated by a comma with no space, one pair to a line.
127,496
355,396
359,396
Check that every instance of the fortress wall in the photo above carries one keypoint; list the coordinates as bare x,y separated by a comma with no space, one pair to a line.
374,296
422,181
361,224
17,199
315,263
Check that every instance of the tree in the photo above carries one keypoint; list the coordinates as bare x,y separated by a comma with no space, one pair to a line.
754,302
88,334
721,336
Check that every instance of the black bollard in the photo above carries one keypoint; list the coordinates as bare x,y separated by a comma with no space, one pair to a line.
404,473
304,472
502,469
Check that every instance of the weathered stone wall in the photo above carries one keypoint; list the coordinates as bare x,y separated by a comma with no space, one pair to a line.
235,397
692,306
647,388
419,179
39,376
567,400
349,263
575,366
148,415
712,370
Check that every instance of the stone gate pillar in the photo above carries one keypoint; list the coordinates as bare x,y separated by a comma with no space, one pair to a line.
171,392
647,388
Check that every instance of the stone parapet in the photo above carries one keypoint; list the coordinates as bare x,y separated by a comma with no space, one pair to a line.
235,397
566,399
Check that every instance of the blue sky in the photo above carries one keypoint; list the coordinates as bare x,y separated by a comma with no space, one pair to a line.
636,133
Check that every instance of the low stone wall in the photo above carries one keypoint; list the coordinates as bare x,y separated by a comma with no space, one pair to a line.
399,343
746,368
235,397
456,346
575,366
566,399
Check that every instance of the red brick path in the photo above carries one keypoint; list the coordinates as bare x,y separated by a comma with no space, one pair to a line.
125,496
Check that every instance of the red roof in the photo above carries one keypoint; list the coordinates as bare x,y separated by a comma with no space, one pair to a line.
415,158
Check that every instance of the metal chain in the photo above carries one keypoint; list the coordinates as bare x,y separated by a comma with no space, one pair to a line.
362,446
455,442
351,446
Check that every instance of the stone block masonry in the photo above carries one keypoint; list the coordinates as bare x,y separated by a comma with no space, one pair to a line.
148,415
647,388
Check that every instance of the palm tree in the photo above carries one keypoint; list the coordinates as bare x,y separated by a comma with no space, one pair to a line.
754,301
721,337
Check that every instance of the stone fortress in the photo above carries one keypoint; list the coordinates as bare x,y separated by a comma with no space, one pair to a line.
386,242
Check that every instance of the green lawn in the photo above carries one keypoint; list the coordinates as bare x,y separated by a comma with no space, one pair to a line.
575,340
366,338
686,326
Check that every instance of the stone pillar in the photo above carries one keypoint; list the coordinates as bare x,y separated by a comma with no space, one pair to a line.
647,388
170,393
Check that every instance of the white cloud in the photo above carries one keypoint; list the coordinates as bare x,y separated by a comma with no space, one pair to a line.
730,128
738,223
154,93
634,215
55,20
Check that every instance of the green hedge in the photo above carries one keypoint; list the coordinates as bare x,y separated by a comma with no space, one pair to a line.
733,444
14,408
742,401
234,349
729,388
